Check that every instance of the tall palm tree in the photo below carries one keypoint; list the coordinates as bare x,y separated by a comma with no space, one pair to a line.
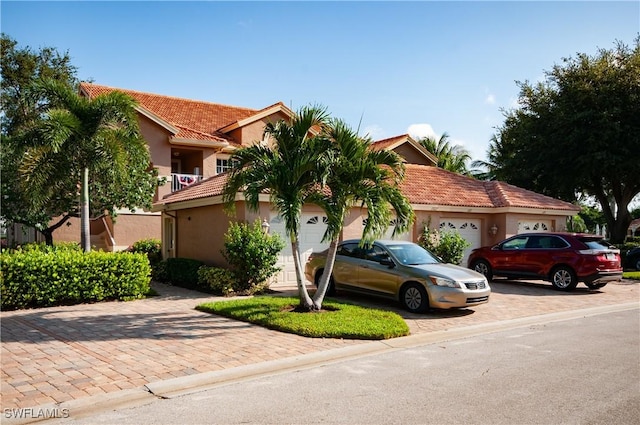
450,157
288,171
358,174
486,170
78,140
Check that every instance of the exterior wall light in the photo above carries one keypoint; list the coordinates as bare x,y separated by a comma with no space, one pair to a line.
493,230
265,226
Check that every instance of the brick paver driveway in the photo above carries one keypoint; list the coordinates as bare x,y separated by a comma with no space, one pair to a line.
52,355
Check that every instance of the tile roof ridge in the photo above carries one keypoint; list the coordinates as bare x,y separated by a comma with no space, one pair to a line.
102,86
496,192
388,139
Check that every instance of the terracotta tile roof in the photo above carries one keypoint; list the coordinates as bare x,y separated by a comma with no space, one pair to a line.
423,185
386,143
434,186
196,119
212,186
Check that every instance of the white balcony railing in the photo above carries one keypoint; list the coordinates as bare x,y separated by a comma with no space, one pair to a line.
180,181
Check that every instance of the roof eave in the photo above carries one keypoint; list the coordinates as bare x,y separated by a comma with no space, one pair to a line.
253,118
177,141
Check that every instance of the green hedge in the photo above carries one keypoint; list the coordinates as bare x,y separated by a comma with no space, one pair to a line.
37,278
179,272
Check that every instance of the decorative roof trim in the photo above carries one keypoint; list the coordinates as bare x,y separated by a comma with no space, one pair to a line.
197,143
279,107
200,202
153,117
492,210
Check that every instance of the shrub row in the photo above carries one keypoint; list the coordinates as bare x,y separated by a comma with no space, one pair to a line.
47,277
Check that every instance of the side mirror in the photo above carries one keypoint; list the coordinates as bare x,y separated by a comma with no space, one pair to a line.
388,262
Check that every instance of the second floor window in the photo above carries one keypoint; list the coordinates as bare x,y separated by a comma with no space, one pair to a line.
223,165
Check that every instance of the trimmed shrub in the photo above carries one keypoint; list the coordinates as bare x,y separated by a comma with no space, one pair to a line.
219,281
448,245
181,272
252,255
152,248
37,278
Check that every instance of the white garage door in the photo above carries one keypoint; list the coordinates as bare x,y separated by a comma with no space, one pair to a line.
312,228
468,228
534,226
388,234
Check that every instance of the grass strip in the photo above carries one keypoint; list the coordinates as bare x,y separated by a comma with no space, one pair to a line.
336,320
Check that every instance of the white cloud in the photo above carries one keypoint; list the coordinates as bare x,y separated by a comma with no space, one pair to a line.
419,131
375,132
490,99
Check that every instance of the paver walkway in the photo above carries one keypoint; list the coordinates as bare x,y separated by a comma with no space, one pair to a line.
58,354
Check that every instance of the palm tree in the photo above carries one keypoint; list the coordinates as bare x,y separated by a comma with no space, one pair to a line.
358,174
451,158
288,171
78,139
486,170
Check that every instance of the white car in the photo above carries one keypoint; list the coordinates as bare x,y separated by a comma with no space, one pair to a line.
403,271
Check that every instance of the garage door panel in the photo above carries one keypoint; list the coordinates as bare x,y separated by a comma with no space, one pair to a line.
312,229
469,229
532,226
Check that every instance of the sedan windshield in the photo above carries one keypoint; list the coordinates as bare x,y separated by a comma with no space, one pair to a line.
412,254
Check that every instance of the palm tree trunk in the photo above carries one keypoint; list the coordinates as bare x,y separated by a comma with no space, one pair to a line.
326,275
85,237
305,299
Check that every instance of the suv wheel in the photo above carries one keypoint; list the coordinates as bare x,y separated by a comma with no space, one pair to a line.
564,279
594,286
483,267
414,298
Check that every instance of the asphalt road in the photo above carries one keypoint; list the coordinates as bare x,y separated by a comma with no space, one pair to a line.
584,370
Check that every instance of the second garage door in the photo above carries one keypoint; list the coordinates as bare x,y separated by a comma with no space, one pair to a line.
468,228
312,228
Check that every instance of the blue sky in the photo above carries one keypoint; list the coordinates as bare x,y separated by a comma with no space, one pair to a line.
389,68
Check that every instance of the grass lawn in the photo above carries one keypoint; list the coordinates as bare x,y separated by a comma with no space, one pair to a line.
337,320
631,275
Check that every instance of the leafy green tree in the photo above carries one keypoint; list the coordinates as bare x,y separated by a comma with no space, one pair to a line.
74,147
20,68
450,157
579,132
358,175
288,172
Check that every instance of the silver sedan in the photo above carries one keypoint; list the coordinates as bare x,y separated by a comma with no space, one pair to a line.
403,271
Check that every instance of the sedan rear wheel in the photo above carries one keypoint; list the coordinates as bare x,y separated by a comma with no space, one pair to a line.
331,290
414,298
564,279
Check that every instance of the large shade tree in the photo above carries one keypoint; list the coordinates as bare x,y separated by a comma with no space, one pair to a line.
288,171
579,132
76,146
358,175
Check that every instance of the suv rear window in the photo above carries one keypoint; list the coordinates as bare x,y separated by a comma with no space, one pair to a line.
595,243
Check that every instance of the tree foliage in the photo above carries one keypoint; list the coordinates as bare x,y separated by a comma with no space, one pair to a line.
578,132
51,135
357,174
288,171
452,158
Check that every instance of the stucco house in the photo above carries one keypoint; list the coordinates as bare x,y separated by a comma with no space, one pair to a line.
190,143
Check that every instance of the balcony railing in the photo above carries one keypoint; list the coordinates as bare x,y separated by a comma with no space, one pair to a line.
180,181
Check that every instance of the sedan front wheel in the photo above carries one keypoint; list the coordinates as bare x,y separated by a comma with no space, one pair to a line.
414,298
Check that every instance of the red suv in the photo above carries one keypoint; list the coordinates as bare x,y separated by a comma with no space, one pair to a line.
564,259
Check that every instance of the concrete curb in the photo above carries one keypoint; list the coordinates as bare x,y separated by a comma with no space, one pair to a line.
200,382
